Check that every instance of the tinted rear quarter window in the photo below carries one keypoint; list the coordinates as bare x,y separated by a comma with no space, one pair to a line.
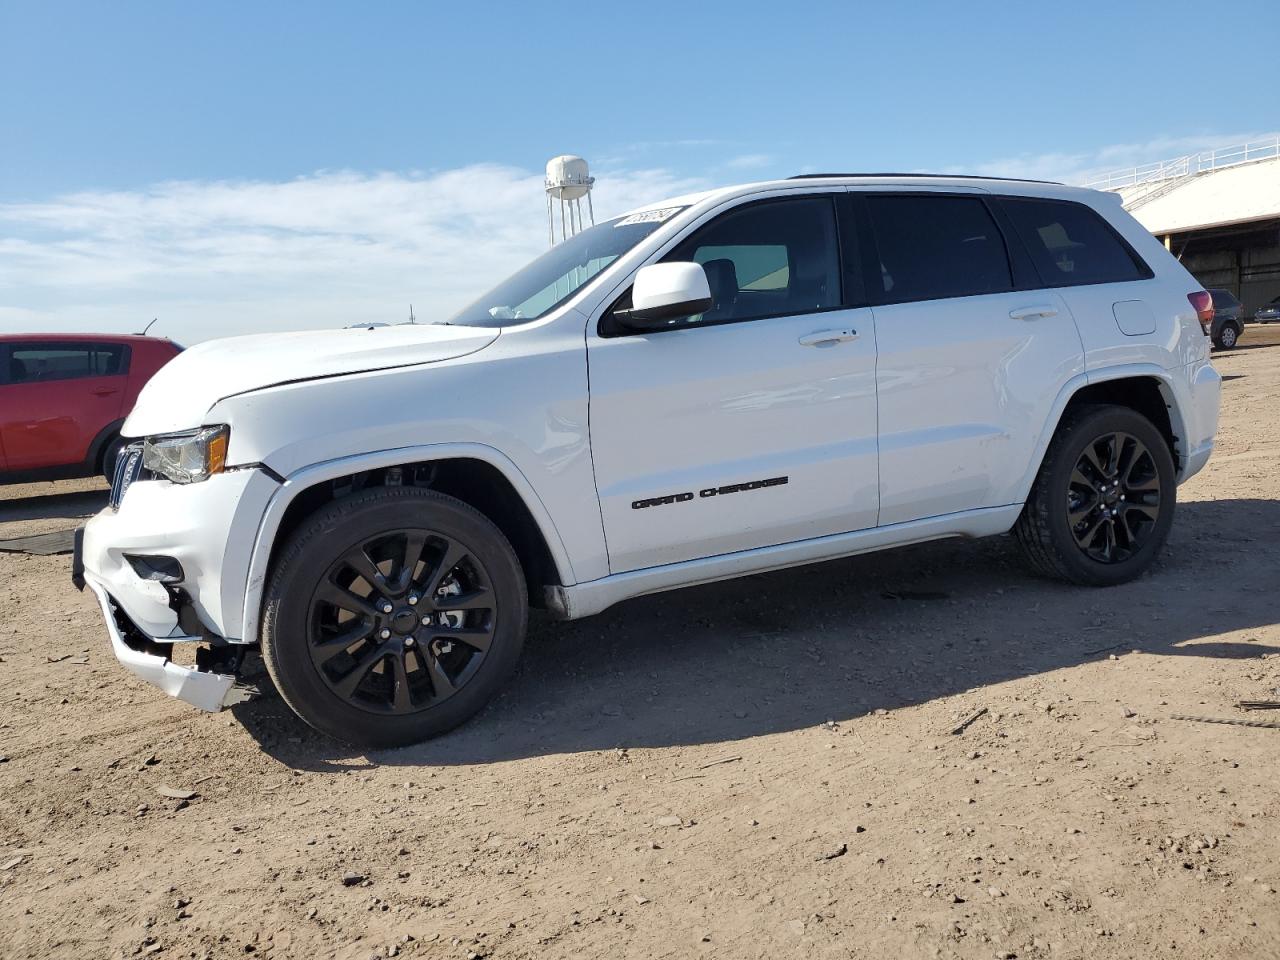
1070,244
42,362
932,247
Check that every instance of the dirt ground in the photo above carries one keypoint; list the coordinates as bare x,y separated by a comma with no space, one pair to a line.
760,768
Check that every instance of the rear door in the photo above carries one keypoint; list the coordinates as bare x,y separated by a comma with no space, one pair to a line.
749,425
1104,282
60,395
969,365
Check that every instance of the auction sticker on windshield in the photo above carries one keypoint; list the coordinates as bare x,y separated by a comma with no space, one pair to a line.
650,216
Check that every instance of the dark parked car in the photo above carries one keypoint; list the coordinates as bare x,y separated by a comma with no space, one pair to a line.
63,398
1268,312
1227,322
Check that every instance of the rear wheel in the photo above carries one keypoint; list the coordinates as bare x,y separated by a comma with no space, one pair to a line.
393,616
1227,336
1103,501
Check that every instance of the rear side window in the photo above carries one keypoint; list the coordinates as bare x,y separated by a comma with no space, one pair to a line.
42,362
1070,244
1223,298
932,247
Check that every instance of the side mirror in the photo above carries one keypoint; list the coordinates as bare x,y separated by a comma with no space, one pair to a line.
663,292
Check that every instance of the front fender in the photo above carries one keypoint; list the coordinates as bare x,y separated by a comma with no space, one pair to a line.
308,477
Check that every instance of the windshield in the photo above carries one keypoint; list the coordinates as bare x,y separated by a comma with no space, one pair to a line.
548,281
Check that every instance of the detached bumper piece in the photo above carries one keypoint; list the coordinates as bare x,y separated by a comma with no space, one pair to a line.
148,659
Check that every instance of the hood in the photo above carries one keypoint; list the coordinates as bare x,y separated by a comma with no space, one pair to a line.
185,388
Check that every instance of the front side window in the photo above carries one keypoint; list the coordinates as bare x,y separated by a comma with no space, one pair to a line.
1070,244
769,259
40,362
545,283
934,246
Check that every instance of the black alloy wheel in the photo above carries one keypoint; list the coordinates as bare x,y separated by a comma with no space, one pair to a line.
401,622
393,615
1103,499
1113,498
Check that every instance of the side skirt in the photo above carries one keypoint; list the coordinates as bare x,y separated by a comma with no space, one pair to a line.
585,599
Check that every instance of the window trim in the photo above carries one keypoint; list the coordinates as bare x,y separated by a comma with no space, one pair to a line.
850,220
870,244
608,328
1025,274
1144,269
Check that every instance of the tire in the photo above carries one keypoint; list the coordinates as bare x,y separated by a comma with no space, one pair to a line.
1227,337
1047,534
404,694
108,465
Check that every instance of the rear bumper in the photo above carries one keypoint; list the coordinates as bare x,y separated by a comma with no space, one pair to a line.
1200,416
145,658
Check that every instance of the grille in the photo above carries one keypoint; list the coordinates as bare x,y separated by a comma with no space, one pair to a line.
128,469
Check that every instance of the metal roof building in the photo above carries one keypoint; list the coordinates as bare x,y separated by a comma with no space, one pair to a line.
1217,211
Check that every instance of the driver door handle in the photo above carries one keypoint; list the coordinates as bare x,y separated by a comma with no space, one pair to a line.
1033,313
827,338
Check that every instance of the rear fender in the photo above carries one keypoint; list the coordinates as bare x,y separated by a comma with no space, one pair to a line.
1164,381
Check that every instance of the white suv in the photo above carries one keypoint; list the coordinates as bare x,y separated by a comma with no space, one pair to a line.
716,385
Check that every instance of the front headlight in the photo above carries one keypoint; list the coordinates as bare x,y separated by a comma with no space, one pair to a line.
187,457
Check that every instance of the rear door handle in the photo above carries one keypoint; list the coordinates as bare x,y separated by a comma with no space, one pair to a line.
826,338
105,391
1033,313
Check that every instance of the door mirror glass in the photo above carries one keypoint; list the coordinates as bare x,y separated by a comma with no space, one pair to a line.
663,292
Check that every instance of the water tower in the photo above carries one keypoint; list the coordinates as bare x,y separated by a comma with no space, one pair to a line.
568,181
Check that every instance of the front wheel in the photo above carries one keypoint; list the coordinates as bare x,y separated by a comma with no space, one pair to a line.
1102,504
393,616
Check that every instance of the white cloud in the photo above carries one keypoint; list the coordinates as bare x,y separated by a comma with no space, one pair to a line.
1079,166
219,258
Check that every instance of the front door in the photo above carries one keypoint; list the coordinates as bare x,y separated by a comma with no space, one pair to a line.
749,425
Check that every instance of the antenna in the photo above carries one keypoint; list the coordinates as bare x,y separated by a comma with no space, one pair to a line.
148,327
411,319
568,180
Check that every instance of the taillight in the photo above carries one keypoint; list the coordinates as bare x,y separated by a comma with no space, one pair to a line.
1202,303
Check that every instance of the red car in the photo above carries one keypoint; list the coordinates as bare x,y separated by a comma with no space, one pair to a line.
63,398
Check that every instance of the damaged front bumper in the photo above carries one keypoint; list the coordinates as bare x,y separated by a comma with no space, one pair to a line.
167,566
148,659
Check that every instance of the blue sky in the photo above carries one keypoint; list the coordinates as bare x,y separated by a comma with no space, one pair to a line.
225,163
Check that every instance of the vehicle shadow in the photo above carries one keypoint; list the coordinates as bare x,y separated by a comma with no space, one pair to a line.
1243,344
54,506
791,649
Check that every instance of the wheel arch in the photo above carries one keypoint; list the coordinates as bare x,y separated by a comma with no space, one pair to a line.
1146,389
99,444
476,474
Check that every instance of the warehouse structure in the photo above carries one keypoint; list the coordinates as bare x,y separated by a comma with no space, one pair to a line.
1217,211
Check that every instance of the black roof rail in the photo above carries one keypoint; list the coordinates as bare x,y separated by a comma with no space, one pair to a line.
943,176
